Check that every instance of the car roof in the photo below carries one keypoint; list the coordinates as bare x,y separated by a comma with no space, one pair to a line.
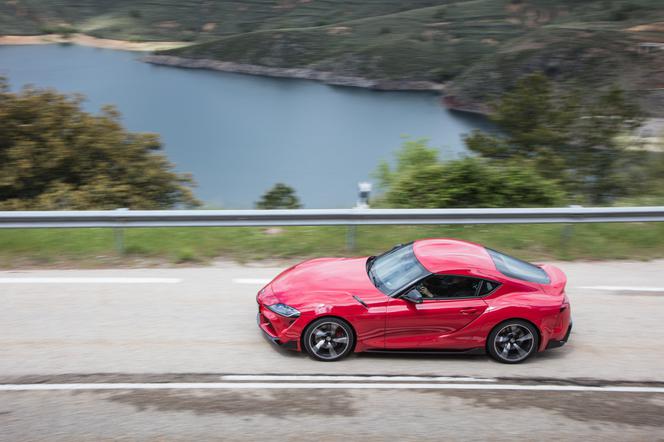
445,255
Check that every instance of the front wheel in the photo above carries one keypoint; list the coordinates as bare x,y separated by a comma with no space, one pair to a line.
328,339
513,341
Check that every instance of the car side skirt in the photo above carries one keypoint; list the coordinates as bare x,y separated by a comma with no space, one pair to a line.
429,351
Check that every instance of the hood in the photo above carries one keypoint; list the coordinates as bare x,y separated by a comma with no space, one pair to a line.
328,276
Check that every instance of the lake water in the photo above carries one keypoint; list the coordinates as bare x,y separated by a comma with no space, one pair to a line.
238,135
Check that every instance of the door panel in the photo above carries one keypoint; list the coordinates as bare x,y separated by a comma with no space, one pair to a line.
426,325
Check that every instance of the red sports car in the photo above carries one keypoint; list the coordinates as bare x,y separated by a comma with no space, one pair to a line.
433,295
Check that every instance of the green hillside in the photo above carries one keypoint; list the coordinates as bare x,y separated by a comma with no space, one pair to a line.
477,48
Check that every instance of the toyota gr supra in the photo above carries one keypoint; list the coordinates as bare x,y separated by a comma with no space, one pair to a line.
434,295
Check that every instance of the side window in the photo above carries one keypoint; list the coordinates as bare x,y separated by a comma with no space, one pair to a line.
449,287
488,287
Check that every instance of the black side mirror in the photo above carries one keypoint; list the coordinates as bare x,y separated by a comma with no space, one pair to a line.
413,296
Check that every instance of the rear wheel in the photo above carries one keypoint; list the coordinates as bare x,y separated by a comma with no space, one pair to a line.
513,341
328,339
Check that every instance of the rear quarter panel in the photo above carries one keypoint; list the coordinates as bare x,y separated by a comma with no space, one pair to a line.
523,301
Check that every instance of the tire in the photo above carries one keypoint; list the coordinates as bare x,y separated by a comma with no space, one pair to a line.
328,339
513,341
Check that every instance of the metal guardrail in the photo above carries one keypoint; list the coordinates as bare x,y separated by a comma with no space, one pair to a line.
323,217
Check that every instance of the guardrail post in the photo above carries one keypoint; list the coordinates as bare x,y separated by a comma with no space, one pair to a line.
568,232
118,234
351,238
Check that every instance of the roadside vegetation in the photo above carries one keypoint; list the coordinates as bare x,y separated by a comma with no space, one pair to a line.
88,248
550,149
421,180
55,156
477,48
544,72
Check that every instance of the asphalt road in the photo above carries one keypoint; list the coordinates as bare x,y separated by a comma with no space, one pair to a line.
195,325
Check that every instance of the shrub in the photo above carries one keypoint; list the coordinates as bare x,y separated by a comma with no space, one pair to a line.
185,255
421,181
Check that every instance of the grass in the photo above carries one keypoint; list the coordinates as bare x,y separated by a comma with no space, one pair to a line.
98,247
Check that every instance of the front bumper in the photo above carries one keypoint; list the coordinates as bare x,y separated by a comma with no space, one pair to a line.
269,333
561,342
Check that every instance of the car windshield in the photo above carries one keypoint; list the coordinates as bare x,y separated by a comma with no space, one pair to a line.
395,270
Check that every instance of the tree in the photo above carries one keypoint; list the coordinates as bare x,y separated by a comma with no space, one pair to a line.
280,196
55,156
420,180
571,138
413,155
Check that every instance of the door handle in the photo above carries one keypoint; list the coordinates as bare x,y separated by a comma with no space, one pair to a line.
468,311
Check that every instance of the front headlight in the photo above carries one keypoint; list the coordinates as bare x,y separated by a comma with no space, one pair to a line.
284,310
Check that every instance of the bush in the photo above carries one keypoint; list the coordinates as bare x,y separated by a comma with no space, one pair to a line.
63,30
421,181
185,255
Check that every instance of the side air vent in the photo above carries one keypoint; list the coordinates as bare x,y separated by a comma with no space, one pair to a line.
357,298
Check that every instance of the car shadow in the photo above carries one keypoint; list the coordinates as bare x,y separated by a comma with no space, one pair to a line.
282,351
556,353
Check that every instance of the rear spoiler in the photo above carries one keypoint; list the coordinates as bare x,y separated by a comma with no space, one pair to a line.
558,280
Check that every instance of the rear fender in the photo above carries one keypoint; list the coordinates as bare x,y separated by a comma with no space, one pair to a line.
542,318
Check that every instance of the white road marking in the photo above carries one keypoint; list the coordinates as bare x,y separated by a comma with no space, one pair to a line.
88,280
347,378
318,386
623,289
256,281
